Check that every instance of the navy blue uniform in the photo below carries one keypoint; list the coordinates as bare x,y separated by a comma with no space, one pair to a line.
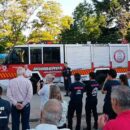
75,103
67,78
107,108
4,114
91,102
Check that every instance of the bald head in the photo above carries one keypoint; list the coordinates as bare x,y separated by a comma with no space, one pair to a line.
52,112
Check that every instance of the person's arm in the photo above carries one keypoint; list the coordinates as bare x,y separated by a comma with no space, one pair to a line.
29,93
84,87
41,91
30,74
63,72
12,99
104,88
71,87
70,72
38,86
9,94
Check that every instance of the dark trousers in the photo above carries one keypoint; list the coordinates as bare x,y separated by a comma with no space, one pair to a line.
24,113
91,106
67,84
107,109
4,128
74,106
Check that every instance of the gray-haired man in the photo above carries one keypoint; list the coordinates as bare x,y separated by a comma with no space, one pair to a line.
52,112
20,93
120,99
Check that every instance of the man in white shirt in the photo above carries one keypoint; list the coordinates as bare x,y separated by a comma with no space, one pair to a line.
20,93
52,112
28,73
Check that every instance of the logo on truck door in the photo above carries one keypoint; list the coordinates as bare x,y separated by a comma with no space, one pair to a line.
119,56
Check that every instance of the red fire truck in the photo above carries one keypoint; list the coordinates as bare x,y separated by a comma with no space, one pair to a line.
49,58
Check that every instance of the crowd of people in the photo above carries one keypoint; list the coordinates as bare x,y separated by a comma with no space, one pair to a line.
56,113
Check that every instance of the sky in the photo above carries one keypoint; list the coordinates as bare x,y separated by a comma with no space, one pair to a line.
68,6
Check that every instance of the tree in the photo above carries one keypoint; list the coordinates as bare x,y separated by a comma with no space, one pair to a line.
117,13
87,24
15,17
51,22
39,19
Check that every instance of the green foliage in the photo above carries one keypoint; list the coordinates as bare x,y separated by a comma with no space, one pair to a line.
104,21
117,12
14,19
44,20
51,23
86,25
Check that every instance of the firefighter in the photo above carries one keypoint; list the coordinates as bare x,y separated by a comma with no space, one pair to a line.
109,83
91,100
75,104
67,78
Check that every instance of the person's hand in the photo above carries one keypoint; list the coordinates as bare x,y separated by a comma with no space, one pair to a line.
19,106
38,84
102,120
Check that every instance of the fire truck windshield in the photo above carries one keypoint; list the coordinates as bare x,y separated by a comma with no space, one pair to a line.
19,55
38,55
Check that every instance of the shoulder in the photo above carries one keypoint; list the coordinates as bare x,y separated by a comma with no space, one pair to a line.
46,86
27,81
72,84
13,80
81,84
107,83
5,102
116,82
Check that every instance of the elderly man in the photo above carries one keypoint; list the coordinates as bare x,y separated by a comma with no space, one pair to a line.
52,113
120,99
20,93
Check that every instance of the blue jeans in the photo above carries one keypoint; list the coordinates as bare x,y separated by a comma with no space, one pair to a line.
24,113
